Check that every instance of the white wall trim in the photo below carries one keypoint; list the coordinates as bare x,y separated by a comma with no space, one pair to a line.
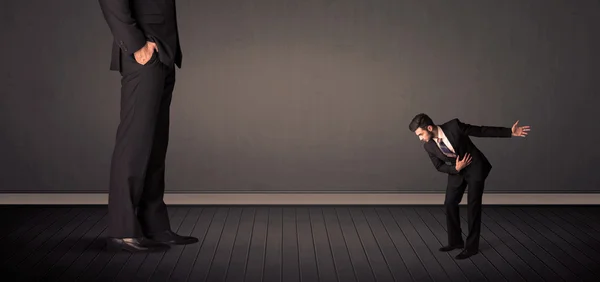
304,199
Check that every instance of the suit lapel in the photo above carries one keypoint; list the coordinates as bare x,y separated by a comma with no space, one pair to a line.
450,135
433,147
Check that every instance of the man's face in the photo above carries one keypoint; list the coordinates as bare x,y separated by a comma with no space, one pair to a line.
425,134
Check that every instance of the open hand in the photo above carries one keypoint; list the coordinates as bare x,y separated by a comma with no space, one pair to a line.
460,164
520,131
143,55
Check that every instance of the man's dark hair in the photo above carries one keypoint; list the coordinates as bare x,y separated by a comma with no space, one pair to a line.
420,120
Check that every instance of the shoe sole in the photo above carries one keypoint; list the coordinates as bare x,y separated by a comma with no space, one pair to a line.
183,242
454,248
113,247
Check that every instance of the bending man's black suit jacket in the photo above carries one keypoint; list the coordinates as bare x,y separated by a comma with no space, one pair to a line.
458,134
133,22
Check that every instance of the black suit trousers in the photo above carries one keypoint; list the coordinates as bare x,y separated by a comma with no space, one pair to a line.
137,174
454,194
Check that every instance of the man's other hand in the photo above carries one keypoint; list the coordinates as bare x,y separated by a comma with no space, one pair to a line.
460,164
143,55
520,131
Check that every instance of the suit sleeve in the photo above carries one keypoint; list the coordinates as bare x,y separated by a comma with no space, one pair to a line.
441,166
122,25
484,131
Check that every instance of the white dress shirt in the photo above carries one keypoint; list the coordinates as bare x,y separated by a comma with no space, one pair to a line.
442,137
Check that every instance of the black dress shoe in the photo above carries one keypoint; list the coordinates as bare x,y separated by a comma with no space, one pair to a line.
169,237
452,247
466,254
135,245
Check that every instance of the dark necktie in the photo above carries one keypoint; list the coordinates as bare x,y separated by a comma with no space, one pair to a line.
445,149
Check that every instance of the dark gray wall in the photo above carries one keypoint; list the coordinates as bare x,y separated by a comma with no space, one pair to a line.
311,95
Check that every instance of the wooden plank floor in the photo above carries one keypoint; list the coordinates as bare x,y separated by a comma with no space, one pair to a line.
306,243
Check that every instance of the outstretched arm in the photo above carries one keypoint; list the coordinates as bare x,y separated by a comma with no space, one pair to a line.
122,25
484,131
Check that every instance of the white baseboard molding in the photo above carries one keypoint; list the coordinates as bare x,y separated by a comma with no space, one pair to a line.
305,199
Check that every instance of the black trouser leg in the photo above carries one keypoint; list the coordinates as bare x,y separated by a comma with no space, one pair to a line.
454,193
474,195
152,212
142,96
